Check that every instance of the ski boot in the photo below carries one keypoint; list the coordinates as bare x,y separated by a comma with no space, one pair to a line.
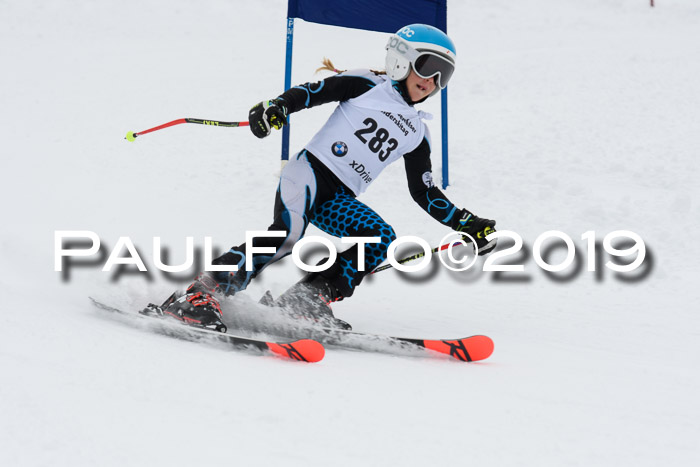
196,307
310,299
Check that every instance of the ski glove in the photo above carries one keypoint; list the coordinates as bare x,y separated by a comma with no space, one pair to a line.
477,228
266,115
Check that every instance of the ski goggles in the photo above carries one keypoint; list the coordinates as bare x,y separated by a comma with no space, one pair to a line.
429,64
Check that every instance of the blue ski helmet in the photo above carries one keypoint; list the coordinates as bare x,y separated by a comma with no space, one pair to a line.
424,48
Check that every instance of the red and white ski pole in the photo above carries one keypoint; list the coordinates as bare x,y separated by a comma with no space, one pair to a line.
131,136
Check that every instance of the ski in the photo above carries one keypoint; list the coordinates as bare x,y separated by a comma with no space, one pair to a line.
268,319
466,349
304,350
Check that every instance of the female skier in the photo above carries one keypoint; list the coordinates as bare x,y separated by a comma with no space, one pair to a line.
374,124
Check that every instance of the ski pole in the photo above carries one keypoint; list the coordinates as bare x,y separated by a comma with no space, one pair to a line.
417,255
131,136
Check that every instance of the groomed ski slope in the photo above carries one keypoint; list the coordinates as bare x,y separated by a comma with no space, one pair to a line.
564,115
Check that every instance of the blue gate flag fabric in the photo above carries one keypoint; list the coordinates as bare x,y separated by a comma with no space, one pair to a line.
371,15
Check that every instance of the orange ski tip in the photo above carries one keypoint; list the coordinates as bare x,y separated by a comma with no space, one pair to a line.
304,350
483,347
469,349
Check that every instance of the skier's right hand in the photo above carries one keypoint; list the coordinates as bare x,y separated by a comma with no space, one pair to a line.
266,115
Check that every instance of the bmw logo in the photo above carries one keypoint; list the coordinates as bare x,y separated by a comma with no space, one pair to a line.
339,148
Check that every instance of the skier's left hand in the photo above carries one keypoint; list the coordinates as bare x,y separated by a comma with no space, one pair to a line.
477,228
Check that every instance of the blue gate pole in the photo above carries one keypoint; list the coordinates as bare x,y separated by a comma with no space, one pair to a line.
445,158
287,85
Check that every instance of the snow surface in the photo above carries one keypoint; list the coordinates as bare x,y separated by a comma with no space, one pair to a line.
564,115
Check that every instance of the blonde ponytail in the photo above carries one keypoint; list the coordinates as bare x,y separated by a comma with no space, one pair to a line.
328,66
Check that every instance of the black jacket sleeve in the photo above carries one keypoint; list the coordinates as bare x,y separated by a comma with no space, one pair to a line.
336,88
423,190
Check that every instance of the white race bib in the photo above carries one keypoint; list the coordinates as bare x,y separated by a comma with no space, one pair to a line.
367,133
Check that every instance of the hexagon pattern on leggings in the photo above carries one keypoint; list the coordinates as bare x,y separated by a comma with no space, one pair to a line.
345,216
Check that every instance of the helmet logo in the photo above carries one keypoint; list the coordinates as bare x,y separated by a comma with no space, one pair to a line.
408,32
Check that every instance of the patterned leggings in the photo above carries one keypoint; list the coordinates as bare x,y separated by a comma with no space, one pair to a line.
309,192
